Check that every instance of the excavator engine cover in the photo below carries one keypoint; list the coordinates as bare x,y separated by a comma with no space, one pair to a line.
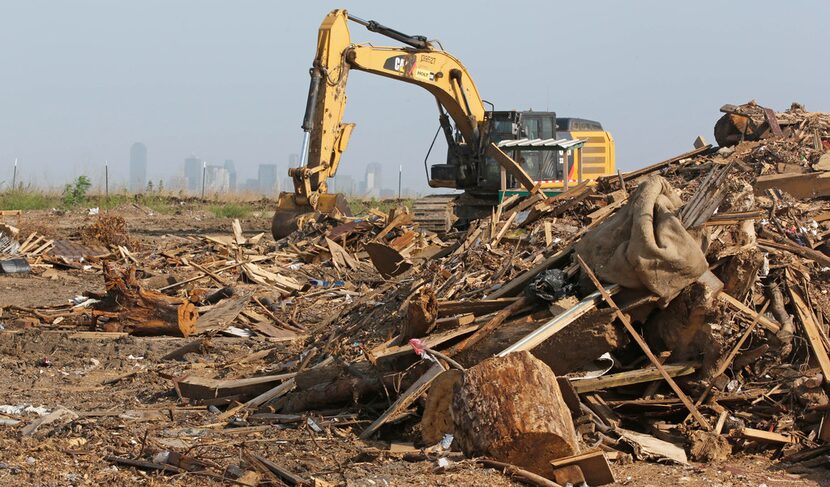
289,214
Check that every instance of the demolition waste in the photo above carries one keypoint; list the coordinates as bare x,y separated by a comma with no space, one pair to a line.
677,314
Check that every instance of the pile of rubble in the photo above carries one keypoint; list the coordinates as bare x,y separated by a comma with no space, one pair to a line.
671,313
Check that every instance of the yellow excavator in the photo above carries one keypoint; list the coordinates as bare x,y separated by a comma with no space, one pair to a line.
480,142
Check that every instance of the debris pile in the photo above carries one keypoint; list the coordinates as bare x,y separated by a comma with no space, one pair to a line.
673,313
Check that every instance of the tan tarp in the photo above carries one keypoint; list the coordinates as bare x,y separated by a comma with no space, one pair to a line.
644,245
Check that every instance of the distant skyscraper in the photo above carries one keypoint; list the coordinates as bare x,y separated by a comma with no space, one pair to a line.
217,179
293,160
231,168
287,185
138,167
193,173
267,176
372,181
343,183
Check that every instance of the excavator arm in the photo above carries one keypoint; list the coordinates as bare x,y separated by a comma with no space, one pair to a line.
326,135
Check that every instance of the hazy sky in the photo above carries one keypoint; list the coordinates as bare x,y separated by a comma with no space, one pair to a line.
81,80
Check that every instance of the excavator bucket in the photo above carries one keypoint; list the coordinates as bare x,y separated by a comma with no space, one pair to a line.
289,213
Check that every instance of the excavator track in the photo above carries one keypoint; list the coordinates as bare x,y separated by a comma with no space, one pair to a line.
435,212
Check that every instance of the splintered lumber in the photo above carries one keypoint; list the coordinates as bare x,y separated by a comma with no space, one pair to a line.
644,346
812,330
766,436
140,311
431,341
223,314
510,408
283,473
490,326
194,346
519,473
193,387
512,168
629,377
727,361
593,464
749,313
478,308
404,400
631,175
793,248
802,186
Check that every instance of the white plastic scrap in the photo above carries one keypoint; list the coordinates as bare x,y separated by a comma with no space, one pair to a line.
22,409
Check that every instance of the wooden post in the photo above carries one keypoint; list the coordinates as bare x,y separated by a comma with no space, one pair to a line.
644,346
566,172
578,155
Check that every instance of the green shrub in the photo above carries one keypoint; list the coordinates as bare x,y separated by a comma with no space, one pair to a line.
75,194
230,210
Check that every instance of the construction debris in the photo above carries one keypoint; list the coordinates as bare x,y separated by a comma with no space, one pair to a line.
675,312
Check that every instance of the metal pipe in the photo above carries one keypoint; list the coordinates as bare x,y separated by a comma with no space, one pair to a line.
310,110
304,149
419,42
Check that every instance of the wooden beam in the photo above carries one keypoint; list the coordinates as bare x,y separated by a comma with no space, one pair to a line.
812,330
512,167
729,358
810,185
749,312
629,377
644,346
766,436
478,308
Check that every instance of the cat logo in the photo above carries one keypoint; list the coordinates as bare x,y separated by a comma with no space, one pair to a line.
407,66
401,64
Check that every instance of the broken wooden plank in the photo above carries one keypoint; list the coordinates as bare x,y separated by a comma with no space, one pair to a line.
812,330
431,341
223,314
194,387
477,308
766,436
629,377
593,464
802,186
748,312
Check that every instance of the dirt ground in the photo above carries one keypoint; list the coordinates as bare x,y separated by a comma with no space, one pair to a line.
122,399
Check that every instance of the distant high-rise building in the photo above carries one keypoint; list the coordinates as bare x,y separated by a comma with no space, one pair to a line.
287,185
231,168
217,179
293,160
267,176
372,180
193,173
138,167
343,183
